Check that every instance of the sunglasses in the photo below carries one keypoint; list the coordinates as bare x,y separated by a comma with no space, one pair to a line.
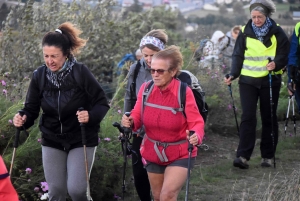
159,71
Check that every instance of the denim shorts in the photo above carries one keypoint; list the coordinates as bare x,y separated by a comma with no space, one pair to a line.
160,169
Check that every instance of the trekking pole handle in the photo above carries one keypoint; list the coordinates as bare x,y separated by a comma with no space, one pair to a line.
228,76
191,147
126,129
21,112
270,60
82,125
127,114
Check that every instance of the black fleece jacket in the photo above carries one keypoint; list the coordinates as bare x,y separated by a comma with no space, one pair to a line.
281,57
59,124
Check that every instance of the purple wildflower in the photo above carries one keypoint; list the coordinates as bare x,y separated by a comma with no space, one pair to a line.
107,139
10,121
4,91
36,189
39,140
44,186
117,197
229,107
28,170
3,83
119,111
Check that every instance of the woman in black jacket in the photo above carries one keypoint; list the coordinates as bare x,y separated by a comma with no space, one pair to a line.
259,55
60,87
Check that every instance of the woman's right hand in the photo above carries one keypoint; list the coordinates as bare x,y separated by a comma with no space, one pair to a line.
127,121
227,80
19,120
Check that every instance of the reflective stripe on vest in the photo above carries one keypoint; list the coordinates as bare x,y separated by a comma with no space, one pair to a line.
256,57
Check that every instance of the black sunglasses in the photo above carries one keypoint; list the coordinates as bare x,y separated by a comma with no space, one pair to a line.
159,71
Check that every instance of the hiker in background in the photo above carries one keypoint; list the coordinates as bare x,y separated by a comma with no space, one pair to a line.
260,39
138,54
162,125
212,50
60,87
226,53
7,191
154,41
293,65
129,58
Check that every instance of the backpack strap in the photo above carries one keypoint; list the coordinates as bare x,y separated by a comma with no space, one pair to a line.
147,90
133,84
77,76
41,75
3,176
182,95
162,156
228,43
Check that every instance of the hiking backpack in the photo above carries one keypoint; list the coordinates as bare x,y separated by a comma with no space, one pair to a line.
187,79
133,97
199,50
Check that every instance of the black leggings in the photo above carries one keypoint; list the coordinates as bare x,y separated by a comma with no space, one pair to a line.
141,180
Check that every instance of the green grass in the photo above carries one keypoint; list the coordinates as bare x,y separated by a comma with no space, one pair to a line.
222,179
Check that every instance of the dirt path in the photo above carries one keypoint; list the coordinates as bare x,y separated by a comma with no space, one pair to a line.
215,178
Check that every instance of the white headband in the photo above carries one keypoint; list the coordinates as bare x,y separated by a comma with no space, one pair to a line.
58,30
152,40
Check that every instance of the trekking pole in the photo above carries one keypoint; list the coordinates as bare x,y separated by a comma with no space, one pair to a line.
190,149
126,134
294,116
287,115
16,144
272,117
233,106
88,191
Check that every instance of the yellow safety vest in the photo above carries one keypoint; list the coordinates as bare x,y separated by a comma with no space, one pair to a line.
256,57
297,27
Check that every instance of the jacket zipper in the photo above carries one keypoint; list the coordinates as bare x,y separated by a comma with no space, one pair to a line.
61,129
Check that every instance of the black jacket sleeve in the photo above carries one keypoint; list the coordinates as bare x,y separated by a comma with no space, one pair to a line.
96,95
282,50
238,56
33,101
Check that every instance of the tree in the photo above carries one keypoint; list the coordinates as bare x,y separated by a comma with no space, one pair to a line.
223,9
4,10
238,9
109,35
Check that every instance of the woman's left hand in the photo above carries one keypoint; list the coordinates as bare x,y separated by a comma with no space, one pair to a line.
192,139
83,116
271,66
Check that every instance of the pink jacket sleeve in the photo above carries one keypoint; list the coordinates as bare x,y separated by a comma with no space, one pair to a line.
194,119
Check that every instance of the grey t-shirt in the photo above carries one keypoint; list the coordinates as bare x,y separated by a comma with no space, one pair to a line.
144,75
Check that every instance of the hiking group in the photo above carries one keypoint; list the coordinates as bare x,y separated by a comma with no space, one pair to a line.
164,105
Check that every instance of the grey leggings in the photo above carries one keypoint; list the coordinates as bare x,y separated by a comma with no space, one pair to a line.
65,172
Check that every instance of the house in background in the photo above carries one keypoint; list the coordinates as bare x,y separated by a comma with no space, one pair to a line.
296,15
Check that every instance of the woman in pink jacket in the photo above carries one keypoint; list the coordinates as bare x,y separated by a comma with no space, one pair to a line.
7,191
165,145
